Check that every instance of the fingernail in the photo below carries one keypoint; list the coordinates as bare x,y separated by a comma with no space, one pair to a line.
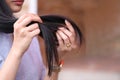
61,28
66,21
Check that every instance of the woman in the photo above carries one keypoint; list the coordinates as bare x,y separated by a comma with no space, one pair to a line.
20,55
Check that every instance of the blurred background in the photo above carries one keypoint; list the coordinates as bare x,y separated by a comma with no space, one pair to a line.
99,21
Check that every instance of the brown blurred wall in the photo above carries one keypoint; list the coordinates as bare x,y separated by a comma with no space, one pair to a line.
100,20
102,26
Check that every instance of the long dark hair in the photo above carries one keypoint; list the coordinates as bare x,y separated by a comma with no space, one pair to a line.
5,12
50,25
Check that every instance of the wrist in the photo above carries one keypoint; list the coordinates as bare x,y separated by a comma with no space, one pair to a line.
16,53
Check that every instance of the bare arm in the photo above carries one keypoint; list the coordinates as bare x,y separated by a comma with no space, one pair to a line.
22,38
10,67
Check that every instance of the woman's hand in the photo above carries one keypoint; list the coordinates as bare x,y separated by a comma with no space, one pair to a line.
66,38
24,34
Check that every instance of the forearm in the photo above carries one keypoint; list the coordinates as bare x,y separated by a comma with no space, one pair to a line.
10,66
23,35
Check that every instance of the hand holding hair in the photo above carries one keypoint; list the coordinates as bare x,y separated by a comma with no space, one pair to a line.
49,27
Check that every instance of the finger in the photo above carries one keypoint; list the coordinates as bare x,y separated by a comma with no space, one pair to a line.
69,26
68,33
67,44
72,38
35,32
60,41
61,46
21,18
33,16
63,36
39,19
28,20
32,27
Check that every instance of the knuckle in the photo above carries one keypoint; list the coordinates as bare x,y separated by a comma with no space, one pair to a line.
38,31
34,14
36,25
30,18
16,27
22,31
31,15
70,35
65,37
26,15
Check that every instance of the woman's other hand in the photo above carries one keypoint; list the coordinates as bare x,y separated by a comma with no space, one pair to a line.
66,38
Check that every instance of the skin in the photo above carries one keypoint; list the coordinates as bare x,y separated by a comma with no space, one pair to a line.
24,35
15,5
